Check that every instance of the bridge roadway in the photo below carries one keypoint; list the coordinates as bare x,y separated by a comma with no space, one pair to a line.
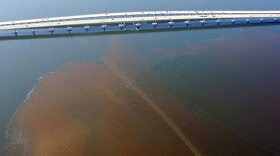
130,17
136,19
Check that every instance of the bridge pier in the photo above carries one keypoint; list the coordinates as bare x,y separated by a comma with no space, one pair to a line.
69,29
86,28
16,33
51,30
33,32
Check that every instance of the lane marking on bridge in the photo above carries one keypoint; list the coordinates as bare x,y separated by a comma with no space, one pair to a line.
149,101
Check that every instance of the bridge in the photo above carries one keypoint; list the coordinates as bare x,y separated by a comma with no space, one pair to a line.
135,21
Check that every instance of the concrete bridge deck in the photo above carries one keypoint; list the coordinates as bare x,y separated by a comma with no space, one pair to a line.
132,17
137,20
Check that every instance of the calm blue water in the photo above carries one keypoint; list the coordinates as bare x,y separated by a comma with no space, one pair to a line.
23,62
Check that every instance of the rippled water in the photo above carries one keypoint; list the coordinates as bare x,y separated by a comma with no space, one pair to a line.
221,93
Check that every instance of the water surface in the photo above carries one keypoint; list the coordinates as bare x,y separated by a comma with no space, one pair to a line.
220,86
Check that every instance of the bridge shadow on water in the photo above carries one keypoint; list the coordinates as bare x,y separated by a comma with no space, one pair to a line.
85,34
